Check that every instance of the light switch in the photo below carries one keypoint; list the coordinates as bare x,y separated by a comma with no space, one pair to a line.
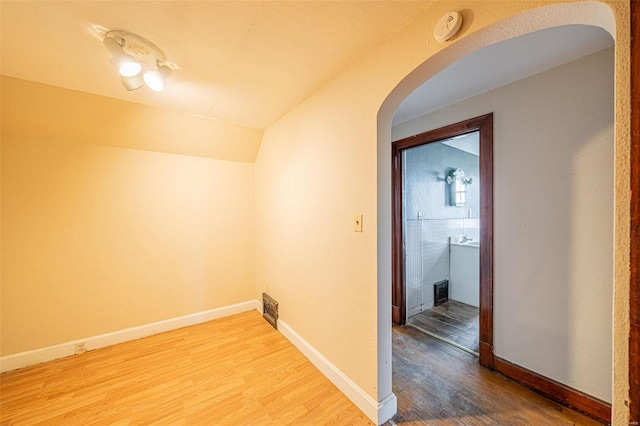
357,223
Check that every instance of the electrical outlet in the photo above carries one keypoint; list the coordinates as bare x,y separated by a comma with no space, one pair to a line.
81,348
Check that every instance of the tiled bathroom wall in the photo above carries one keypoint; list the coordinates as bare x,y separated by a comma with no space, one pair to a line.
413,266
427,261
430,219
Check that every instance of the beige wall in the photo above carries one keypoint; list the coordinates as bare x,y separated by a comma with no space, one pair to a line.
100,238
553,218
311,179
34,109
329,158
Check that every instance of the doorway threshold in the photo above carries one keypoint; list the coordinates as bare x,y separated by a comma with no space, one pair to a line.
444,339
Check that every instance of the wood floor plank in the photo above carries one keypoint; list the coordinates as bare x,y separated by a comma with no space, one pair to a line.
239,371
439,384
235,371
454,321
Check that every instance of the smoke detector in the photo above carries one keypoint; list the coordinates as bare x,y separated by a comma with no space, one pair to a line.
447,26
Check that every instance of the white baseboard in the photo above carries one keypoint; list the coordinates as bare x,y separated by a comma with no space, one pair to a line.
37,356
378,412
387,408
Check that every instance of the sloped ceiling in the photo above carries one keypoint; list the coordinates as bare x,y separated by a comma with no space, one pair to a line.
242,62
250,62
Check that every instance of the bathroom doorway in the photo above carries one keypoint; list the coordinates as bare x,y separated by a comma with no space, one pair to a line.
441,206
442,227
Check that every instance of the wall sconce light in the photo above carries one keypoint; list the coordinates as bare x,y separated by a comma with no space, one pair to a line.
137,60
459,175
458,182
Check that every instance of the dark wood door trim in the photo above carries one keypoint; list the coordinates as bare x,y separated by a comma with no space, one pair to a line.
634,279
556,391
483,124
398,296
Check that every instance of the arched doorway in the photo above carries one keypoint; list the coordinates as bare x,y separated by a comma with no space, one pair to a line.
592,14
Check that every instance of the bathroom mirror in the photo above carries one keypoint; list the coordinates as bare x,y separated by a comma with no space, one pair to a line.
457,184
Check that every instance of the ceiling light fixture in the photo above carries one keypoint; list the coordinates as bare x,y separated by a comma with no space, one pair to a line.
126,65
137,60
157,79
132,83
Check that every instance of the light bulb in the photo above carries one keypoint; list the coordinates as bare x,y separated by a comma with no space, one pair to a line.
126,65
156,79
129,68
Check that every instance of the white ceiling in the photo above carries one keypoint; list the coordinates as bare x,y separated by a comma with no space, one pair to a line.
469,142
244,62
250,62
501,64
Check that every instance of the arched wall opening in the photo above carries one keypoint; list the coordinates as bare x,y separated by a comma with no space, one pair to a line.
585,13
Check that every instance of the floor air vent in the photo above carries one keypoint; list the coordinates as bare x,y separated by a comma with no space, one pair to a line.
440,292
270,310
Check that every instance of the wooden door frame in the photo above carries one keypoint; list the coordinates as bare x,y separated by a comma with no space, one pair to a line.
634,277
484,125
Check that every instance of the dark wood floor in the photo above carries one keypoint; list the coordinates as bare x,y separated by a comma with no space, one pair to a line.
439,384
453,321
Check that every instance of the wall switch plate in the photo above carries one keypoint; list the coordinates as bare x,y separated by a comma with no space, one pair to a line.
357,223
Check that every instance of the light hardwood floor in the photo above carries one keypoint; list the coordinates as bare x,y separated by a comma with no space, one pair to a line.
240,371
232,371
